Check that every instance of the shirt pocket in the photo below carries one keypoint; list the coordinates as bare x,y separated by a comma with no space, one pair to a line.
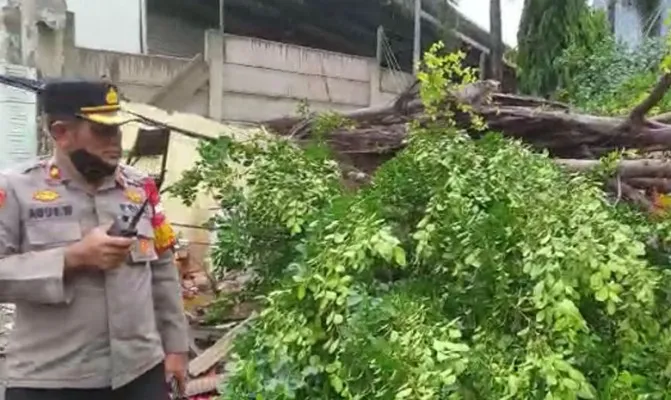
45,235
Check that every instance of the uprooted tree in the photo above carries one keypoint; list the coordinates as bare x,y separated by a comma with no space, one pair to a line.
468,266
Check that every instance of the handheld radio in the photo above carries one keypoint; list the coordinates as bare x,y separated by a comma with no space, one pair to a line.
124,226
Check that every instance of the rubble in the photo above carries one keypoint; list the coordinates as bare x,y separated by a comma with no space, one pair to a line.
6,324
210,345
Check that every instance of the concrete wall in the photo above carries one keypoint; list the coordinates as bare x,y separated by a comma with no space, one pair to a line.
139,76
249,80
264,80
392,83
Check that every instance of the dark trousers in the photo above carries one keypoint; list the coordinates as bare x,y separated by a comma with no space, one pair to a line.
150,386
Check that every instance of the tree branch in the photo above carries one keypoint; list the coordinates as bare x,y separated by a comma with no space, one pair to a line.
662,185
646,168
630,194
637,115
664,118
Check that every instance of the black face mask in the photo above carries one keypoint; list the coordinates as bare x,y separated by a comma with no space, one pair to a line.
91,167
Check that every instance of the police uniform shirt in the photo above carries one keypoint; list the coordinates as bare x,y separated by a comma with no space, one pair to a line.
91,328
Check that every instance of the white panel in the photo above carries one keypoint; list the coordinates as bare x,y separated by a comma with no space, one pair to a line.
18,120
287,57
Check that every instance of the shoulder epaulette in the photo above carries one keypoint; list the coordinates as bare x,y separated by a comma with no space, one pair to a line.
131,175
26,166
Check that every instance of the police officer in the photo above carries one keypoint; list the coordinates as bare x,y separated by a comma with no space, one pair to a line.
97,317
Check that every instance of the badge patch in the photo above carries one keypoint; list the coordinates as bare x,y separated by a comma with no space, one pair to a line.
50,212
3,198
143,251
134,195
144,246
46,196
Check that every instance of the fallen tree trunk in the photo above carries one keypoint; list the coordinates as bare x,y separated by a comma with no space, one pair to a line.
648,168
576,140
661,185
541,123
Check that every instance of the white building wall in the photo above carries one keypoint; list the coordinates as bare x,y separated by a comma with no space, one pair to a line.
113,25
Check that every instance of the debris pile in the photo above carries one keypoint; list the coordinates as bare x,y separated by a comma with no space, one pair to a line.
210,345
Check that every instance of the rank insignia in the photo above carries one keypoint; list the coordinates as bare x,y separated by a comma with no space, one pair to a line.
134,195
112,97
54,172
46,196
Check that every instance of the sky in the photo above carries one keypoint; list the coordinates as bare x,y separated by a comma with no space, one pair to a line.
511,10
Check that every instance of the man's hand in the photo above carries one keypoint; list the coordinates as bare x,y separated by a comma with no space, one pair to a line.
175,367
99,250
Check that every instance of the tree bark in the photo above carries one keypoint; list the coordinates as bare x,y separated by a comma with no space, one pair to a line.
541,123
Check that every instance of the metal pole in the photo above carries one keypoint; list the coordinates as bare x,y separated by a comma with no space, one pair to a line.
380,43
221,16
417,47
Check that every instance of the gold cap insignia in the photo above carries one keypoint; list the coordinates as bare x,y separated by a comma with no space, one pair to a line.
54,172
46,196
134,196
112,97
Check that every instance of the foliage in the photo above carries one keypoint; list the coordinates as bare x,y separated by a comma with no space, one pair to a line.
268,190
468,269
439,76
547,28
610,78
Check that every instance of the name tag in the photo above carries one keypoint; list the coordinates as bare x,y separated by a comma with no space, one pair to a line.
143,250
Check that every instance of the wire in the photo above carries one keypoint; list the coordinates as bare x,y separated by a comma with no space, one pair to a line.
650,23
392,62
28,84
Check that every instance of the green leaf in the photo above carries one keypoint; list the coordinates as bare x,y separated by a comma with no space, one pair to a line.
301,292
337,383
399,256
